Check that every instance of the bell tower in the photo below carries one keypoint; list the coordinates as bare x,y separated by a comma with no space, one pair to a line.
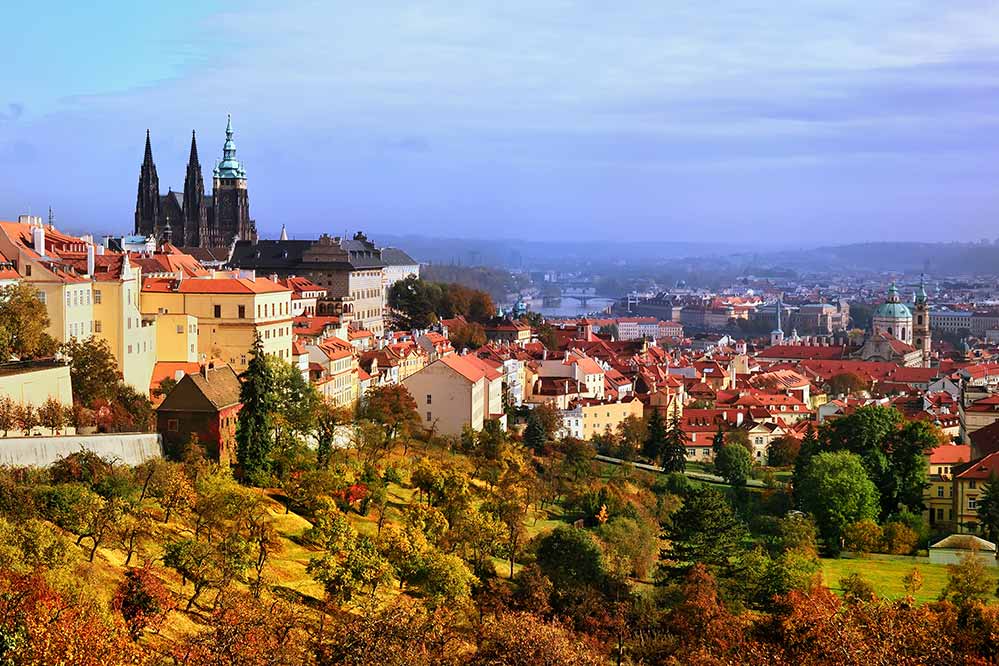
230,200
921,339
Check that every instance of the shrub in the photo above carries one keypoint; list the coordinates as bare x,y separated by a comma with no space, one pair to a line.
899,539
856,588
863,536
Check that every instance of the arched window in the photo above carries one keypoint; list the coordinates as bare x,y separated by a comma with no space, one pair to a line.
890,332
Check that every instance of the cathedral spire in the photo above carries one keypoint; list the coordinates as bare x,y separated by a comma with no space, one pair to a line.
229,167
193,159
147,159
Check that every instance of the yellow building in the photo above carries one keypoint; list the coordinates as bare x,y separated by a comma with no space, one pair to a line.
969,478
176,338
38,253
590,417
938,496
230,312
333,370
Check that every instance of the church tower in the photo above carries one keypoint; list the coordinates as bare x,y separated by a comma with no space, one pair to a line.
230,202
147,202
195,210
921,323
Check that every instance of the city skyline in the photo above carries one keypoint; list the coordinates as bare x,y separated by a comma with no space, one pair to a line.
679,123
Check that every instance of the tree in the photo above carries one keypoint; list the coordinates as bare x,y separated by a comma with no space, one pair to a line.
534,434
413,303
674,448
783,451
8,414
570,556
329,421
718,441
704,530
93,370
967,581
23,320
523,639
27,417
467,336
845,383
836,490
632,432
863,536
655,438
392,406
52,415
142,600
254,429
988,508
195,561
166,385
734,464
739,437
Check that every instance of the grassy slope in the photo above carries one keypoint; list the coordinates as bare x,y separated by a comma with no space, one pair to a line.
886,576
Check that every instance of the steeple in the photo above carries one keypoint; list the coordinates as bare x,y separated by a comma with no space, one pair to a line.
921,292
195,211
147,201
284,233
229,167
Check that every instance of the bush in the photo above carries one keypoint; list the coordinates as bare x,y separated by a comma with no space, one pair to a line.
863,536
856,588
393,475
899,539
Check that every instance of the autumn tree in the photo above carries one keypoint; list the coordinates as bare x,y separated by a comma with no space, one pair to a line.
392,406
93,369
52,415
783,451
142,600
329,421
254,429
27,418
523,639
968,581
23,320
8,414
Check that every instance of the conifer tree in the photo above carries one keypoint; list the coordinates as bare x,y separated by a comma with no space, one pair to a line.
655,438
674,449
534,434
254,430
718,443
988,508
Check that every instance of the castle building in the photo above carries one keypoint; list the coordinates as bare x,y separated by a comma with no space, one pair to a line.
897,335
191,218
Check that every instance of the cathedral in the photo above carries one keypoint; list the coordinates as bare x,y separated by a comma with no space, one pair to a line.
900,334
191,218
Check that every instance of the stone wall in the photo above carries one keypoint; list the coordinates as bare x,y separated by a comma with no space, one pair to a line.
125,448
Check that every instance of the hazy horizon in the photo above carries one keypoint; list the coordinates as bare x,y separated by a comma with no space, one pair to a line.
812,124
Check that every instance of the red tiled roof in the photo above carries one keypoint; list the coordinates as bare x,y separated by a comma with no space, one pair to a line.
212,286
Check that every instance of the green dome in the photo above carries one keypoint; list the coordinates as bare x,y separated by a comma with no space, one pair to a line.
893,311
229,167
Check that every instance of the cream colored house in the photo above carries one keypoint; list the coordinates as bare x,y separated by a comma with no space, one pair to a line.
230,312
454,392
333,371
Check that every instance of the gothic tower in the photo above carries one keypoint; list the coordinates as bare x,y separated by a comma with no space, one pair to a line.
195,210
921,323
147,202
230,202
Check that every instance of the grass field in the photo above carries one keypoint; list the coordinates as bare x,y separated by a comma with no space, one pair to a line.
886,576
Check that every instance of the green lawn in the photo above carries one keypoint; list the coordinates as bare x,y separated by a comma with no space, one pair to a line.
886,576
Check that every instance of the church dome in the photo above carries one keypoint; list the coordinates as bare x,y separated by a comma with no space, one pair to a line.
229,167
893,310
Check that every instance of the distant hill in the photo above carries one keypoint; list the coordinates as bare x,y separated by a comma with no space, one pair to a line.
948,258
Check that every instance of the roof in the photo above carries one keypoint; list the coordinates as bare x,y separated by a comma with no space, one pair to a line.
986,439
802,352
965,542
198,393
980,469
463,366
393,256
948,454
170,369
893,311
232,285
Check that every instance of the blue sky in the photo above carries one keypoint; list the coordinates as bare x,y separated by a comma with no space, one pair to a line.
793,123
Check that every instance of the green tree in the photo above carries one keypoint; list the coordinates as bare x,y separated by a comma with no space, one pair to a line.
655,438
836,490
23,320
718,441
534,435
674,448
254,429
413,303
988,508
968,581
329,420
734,464
704,530
52,415
570,557
783,451
93,370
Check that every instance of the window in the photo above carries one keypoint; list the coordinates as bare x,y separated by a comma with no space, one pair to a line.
429,398
971,484
41,294
27,270
218,311
97,327
940,491
429,417
242,312
130,349
972,503
242,359
258,311
180,329
173,425
129,320
939,514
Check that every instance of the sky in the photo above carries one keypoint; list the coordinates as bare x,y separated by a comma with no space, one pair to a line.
810,122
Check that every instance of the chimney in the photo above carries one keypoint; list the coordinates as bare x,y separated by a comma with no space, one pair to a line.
38,239
90,259
204,369
100,250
